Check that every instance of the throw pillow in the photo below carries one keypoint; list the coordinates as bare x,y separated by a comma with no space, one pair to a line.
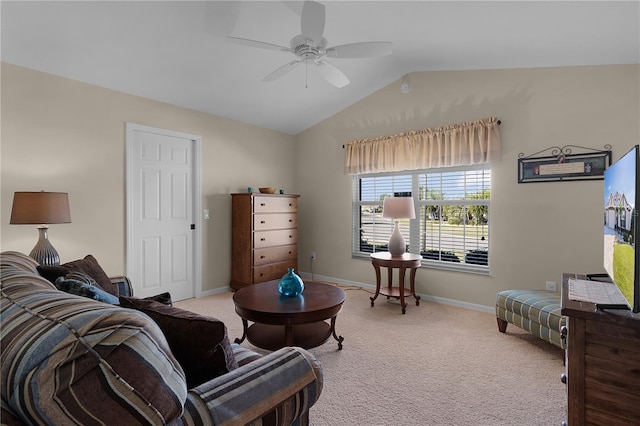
164,298
199,343
80,288
80,276
89,265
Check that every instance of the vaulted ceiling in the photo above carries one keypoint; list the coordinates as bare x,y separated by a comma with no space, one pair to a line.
178,51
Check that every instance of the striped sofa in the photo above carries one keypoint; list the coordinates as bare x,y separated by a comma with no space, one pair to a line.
536,311
67,359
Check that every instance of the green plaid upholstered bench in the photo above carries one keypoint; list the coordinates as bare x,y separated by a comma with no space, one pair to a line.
536,311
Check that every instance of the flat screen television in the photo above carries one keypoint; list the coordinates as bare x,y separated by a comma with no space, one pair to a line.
621,230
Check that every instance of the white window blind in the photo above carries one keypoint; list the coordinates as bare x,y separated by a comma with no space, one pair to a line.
451,229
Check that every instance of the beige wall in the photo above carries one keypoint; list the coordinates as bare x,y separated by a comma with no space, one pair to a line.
538,230
62,135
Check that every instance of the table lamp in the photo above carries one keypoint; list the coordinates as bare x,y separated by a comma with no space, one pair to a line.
397,208
41,208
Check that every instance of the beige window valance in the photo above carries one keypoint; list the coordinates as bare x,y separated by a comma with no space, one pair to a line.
473,142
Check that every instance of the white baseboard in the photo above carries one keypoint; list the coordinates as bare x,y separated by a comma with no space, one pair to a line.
445,301
214,291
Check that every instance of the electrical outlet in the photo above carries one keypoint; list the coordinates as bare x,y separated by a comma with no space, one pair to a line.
313,255
551,286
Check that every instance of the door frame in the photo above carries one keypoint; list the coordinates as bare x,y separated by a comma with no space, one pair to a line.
196,188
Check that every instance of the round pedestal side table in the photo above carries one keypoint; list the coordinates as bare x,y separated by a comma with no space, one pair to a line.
402,263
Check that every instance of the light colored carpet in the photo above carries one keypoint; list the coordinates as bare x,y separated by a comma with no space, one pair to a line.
435,365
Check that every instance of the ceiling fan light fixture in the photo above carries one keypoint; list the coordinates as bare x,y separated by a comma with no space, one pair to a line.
305,49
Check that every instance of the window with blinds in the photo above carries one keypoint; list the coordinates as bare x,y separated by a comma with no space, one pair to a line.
451,229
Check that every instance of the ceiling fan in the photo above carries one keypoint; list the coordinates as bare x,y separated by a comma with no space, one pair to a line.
310,47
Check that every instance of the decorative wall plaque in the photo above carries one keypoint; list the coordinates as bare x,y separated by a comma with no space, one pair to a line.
562,163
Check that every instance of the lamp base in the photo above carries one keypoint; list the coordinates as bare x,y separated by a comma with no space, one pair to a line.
397,246
43,252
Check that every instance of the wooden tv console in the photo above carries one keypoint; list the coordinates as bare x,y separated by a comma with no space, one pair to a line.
603,363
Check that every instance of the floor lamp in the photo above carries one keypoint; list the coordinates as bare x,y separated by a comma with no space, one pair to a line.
398,208
41,208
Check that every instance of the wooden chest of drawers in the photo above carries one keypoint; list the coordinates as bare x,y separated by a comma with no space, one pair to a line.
264,237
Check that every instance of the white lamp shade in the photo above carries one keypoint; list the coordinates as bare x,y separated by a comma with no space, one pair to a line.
398,208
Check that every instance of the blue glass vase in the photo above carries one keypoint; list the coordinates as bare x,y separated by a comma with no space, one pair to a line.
290,284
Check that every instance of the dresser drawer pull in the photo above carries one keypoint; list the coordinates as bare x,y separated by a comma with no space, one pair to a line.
263,221
263,239
262,257
290,236
262,204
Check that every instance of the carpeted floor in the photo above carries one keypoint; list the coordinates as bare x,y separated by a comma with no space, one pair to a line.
435,365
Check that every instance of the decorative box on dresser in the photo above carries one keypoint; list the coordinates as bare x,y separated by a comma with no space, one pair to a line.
264,237
603,363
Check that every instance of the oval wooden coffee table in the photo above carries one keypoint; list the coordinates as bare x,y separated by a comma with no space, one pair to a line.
280,321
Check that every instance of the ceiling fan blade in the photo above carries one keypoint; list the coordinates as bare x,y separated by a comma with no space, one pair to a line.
259,44
282,70
332,74
365,49
312,21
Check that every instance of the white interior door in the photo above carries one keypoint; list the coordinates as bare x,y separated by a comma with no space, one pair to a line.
162,212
